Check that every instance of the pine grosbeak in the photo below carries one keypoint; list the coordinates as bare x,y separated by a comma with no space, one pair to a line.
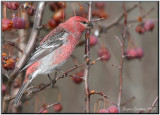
54,49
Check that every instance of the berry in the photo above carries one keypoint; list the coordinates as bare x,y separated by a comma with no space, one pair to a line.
7,24
57,107
3,89
139,19
103,111
140,53
104,53
100,13
140,29
95,13
44,111
134,53
79,74
100,5
58,15
9,64
82,13
53,6
18,23
113,109
131,54
61,4
52,23
93,40
12,5
149,25
30,11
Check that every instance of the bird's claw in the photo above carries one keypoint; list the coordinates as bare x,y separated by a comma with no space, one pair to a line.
39,27
52,83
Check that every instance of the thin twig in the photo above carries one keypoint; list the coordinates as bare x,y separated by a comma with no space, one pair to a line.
116,21
99,19
128,101
143,16
48,106
153,105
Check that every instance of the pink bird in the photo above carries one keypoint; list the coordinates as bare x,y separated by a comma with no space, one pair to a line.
54,50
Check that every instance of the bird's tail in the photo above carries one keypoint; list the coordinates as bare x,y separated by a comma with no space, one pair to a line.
20,92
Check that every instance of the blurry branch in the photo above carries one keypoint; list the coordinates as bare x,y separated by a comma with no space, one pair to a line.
48,106
12,44
153,105
143,16
128,101
29,49
87,66
119,18
99,19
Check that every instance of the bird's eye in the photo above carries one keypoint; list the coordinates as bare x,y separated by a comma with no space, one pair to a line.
83,22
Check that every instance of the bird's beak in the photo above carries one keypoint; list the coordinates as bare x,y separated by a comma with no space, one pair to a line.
89,25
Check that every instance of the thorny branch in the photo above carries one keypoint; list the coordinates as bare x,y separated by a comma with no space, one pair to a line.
29,49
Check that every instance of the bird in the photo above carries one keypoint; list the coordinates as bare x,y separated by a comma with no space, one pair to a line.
53,50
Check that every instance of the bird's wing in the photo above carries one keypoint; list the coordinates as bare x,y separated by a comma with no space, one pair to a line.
50,43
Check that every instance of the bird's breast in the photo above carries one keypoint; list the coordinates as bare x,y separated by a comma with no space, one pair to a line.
62,53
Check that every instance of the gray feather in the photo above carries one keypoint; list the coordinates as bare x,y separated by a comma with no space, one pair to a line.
52,43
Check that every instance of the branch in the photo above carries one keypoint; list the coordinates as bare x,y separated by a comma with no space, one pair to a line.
32,40
121,64
116,21
128,101
143,16
29,49
87,66
153,105
55,80
48,106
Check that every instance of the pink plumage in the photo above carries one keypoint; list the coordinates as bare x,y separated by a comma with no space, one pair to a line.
54,50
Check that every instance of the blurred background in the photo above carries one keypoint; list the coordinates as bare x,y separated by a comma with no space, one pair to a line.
140,75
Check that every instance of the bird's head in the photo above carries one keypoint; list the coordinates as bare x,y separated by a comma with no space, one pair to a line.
77,23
